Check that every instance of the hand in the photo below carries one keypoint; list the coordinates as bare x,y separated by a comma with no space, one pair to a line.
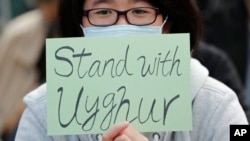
123,132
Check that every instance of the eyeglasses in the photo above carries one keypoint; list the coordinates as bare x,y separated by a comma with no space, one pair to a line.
136,16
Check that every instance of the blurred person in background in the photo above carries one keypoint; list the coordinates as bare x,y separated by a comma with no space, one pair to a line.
248,57
225,28
22,60
10,9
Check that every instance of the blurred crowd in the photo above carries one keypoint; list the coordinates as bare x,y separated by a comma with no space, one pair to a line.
24,25
10,9
22,57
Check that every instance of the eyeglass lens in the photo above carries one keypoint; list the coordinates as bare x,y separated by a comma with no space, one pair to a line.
136,16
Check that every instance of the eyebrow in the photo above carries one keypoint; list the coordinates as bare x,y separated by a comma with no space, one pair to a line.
100,1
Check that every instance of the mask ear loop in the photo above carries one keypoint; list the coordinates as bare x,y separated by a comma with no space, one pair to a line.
81,26
166,19
82,29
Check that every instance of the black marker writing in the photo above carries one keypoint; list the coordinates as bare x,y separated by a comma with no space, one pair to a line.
97,68
166,64
112,107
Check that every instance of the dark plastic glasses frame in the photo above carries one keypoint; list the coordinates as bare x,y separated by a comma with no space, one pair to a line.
86,13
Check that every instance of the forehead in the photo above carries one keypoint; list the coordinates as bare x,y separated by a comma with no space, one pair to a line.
96,1
93,3
113,1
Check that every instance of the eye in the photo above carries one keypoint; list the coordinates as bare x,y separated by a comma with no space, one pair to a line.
139,11
103,12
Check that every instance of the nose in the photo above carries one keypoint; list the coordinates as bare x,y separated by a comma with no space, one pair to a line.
122,20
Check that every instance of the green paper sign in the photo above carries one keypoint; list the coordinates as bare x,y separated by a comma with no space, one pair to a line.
95,82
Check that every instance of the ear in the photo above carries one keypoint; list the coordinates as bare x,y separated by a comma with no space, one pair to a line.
167,28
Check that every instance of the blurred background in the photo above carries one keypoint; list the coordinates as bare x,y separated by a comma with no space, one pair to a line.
24,25
10,9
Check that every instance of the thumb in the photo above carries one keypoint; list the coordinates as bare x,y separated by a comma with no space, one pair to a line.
113,132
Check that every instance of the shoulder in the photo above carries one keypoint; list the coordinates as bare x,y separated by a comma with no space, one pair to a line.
37,96
216,96
217,93
205,86
211,95
215,108
216,88
33,124
36,102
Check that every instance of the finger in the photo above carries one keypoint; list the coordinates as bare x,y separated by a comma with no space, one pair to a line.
113,132
122,138
133,134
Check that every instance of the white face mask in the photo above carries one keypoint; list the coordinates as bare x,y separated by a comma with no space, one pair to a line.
120,30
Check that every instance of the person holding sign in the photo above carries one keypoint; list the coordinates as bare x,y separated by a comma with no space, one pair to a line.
214,106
